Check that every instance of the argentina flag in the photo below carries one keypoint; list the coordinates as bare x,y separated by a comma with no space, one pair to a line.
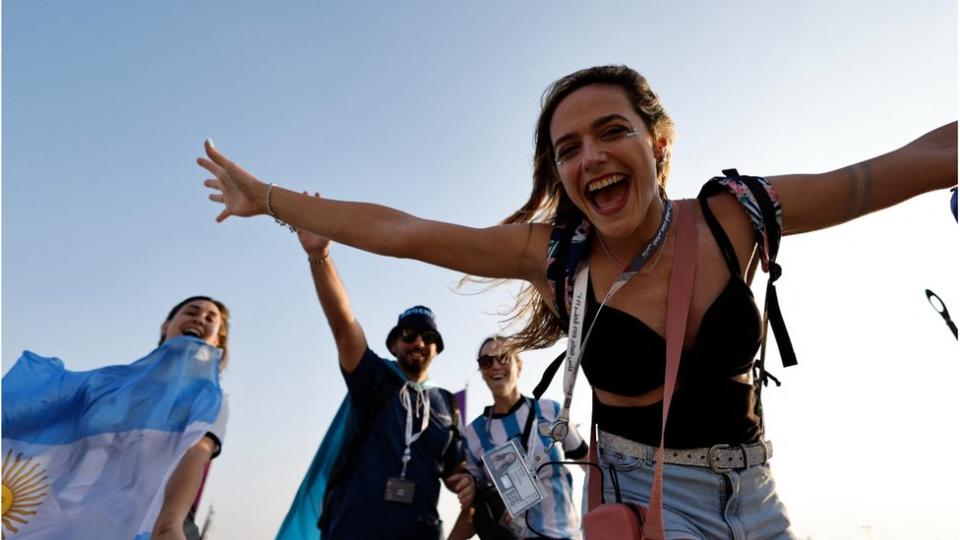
86,455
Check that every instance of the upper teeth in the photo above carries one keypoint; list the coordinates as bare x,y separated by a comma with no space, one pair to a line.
600,184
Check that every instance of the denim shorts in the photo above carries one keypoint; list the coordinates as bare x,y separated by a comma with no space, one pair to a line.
699,503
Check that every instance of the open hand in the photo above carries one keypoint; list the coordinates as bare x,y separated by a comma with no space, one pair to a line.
239,191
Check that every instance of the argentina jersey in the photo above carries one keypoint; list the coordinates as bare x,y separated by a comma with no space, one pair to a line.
555,516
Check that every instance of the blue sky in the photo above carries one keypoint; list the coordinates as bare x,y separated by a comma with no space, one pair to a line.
429,107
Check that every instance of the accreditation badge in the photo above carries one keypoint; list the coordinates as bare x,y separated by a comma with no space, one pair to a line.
399,490
512,478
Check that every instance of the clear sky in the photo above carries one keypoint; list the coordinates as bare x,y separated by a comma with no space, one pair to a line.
429,107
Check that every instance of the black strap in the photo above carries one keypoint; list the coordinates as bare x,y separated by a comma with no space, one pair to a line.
382,395
723,241
529,424
787,355
769,215
548,375
545,380
455,415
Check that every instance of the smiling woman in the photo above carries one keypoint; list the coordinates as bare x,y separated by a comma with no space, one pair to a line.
601,162
201,317
122,450
555,516
207,319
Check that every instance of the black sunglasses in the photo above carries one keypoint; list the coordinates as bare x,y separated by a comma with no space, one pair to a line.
409,335
486,360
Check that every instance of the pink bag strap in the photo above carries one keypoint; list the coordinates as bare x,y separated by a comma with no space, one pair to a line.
679,295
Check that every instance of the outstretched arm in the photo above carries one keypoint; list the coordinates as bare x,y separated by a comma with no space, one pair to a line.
505,251
817,201
347,332
181,489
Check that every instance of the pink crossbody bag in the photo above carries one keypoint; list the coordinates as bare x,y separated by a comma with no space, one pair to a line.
630,521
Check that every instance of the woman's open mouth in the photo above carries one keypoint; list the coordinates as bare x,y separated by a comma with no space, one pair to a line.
191,331
609,194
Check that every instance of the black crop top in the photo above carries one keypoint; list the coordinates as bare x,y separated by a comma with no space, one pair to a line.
708,406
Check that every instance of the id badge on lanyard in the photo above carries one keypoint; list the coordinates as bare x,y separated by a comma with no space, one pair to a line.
507,467
400,489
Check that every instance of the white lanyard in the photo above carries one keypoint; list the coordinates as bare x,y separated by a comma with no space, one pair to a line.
423,403
578,308
561,426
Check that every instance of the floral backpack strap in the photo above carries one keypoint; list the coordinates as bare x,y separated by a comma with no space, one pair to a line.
568,245
760,202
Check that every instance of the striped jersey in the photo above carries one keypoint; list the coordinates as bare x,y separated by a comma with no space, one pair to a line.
555,516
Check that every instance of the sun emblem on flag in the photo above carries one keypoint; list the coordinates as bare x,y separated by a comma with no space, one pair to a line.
24,488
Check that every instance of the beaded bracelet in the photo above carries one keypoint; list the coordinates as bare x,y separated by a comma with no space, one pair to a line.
273,214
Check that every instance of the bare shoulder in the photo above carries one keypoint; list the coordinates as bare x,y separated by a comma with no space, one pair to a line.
732,216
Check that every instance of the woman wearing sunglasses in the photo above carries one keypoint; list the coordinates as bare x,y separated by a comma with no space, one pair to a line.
599,205
555,516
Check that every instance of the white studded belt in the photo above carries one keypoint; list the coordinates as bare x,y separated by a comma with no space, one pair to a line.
719,457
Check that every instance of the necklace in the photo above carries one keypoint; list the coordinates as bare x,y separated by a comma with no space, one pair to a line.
653,246
603,244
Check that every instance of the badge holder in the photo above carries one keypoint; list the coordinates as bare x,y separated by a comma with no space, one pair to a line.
399,490
512,478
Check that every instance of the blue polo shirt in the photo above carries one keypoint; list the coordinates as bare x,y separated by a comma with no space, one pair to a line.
356,505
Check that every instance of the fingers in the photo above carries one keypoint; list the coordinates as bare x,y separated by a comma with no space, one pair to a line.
215,154
216,197
466,496
214,169
223,215
213,183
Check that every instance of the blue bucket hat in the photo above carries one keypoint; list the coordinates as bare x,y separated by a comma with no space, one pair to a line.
418,318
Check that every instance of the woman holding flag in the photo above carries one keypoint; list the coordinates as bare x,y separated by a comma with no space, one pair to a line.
209,320
120,451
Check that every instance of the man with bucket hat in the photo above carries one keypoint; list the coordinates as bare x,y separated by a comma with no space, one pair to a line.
378,470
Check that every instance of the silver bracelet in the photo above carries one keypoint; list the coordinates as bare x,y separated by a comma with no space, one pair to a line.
273,214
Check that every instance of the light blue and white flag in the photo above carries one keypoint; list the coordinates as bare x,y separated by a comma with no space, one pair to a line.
86,455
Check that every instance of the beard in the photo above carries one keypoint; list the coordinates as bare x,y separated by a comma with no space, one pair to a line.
414,361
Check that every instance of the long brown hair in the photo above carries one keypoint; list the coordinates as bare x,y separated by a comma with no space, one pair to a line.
549,203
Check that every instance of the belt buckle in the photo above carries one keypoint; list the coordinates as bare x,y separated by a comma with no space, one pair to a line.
714,462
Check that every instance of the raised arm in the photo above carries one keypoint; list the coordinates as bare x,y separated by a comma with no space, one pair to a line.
505,251
817,201
347,332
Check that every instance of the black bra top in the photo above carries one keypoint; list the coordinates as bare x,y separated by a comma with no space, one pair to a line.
625,356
